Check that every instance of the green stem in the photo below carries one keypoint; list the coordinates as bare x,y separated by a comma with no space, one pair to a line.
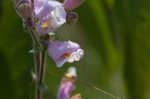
39,61
37,56
42,67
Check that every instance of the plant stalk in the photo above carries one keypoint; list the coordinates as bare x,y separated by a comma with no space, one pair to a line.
42,67
39,61
37,55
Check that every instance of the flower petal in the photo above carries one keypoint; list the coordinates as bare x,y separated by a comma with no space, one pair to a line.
51,16
67,84
65,90
39,3
58,16
62,52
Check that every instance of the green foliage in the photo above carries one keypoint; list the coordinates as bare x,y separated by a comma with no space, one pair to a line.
115,36
134,30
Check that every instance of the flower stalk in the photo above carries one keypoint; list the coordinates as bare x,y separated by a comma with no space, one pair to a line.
42,66
36,46
39,62
42,17
36,54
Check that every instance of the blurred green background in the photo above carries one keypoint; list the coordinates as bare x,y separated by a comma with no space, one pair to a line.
115,35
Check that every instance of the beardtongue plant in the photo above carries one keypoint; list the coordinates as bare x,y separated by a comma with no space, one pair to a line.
41,17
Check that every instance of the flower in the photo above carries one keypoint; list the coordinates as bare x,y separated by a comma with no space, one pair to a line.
71,4
47,15
67,84
51,15
65,90
62,52
24,8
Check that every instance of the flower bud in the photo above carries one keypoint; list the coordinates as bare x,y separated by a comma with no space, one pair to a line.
72,17
24,8
67,85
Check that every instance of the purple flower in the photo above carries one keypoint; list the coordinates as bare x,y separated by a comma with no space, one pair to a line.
24,8
67,84
62,52
71,4
65,90
51,15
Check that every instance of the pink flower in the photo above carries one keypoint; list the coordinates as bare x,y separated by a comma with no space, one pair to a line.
62,52
65,90
51,15
71,4
67,84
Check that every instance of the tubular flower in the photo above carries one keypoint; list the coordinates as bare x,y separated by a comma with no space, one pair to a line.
51,15
65,90
24,8
62,52
67,84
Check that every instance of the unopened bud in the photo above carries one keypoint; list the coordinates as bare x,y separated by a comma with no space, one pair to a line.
24,8
72,17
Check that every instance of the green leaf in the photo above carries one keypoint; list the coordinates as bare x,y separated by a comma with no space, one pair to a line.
133,18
